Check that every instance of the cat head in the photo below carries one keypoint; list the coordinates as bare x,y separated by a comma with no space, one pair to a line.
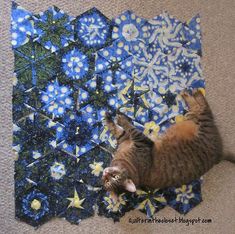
116,180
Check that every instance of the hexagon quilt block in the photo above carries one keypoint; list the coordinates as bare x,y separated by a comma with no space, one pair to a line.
53,29
68,72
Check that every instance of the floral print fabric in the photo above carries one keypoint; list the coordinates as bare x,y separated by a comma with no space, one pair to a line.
68,72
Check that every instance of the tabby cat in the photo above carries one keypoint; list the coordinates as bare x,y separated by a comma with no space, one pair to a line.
183,153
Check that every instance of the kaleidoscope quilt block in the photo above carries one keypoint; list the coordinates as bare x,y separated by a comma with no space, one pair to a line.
183,199
56,99
150,202
34,64
75,64
115,210
34,206
68,72
93,29
53,29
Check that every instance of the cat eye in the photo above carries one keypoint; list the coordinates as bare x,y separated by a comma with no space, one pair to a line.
116,177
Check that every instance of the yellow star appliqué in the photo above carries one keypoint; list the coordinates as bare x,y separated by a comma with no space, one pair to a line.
96,168
75,201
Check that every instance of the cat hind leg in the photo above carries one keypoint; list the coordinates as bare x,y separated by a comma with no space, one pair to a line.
190,101
199,97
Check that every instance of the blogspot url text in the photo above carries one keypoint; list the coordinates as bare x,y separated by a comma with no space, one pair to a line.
180,220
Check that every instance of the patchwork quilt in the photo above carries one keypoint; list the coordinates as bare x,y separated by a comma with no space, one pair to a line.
68,72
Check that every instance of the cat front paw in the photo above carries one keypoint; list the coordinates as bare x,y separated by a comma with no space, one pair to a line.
198,92
123,120
185,94
108,117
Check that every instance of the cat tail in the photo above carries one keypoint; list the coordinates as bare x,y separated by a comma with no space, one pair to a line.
228,156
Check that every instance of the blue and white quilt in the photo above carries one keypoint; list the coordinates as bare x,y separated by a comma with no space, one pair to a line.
68,72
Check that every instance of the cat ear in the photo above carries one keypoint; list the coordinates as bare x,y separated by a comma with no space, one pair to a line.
129,186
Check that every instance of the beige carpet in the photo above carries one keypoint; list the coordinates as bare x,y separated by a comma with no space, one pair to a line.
218,190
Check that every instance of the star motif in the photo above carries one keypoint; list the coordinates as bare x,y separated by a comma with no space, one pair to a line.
184,194
150,201
96,168
115,206
57,170
75,201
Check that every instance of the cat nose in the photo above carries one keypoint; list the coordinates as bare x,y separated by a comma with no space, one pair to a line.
105,172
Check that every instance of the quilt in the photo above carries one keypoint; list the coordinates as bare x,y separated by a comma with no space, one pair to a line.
68,72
